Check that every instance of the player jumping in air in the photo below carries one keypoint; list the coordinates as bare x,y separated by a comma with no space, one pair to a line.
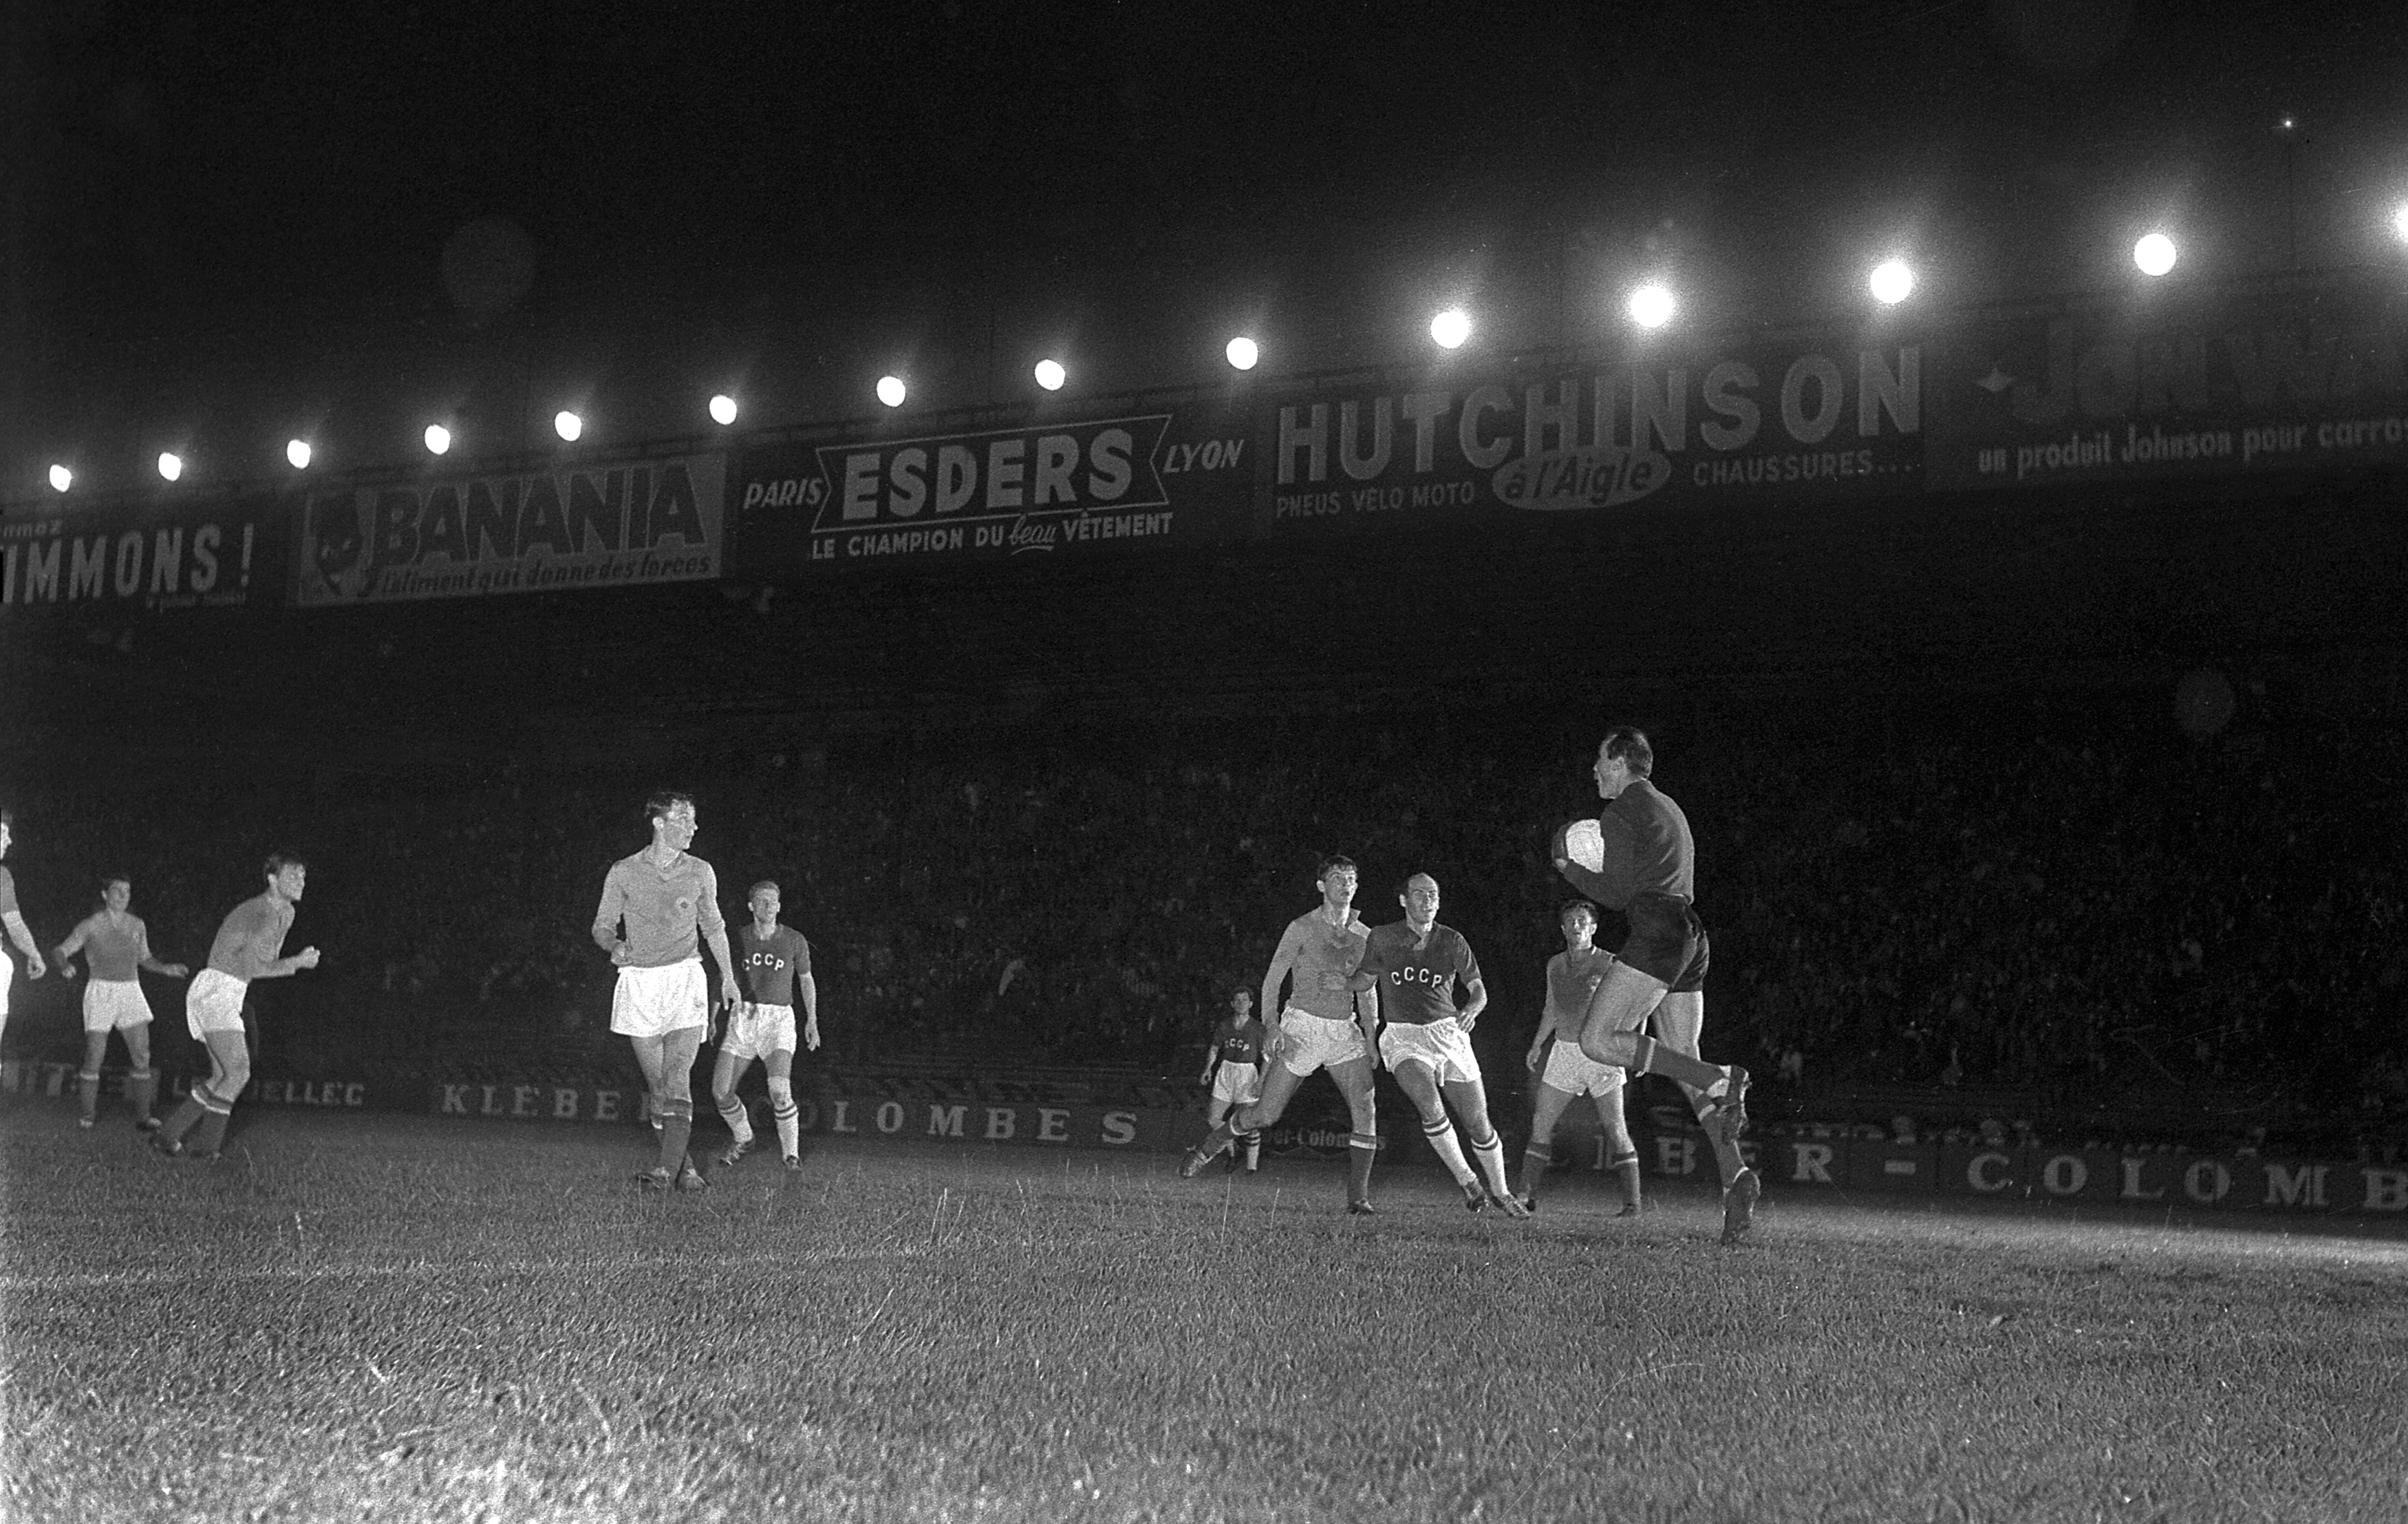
1572,976
1649,872
777,969
1233,1067
1322,1027
667,900
14,923
117,945
1425,1037
245,949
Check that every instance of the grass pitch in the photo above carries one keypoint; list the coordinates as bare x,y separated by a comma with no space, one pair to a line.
401,1319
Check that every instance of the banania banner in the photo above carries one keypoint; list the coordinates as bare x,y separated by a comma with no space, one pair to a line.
561,530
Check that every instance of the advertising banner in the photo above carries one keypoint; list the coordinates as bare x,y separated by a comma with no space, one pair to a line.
2251,384
1172,475
1819,417
611,526
221,552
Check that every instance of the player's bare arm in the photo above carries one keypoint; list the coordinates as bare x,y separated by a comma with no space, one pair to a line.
1475,992
807,989
730,994
34,966
64,954
1291,943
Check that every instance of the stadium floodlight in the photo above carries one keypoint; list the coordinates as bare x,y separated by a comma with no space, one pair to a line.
2400,220
1893,281
722,410
171,465
298,453
2153,253
1452,328
1652,306
61,479
568,426
438,440
1050,375
1243,352
892,391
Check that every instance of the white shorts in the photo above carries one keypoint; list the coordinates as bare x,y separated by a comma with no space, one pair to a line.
1307,1041
1240,1085
649,1002
760,1031
113,1004
213,1002
1575,1074
1443,1045
8,973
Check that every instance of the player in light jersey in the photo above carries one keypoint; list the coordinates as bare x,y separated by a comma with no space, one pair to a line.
668,902
1321,1026
13,922
1650,874
1233,1067
1425,1037
117,945
776,963
246,948
1572,976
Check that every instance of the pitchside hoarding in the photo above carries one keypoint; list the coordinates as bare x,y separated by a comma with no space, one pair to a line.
598,526
2245,384
213,552
1821,416
1172,475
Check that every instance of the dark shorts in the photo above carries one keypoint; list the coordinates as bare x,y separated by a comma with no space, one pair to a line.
1666,942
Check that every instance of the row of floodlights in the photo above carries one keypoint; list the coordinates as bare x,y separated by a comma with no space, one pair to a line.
1650,306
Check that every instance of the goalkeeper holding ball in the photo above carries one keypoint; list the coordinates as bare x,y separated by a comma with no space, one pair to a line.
1638,857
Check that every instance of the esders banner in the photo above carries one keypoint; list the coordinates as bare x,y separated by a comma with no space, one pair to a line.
213,552
1176,473
609,525
1818,417
2233,385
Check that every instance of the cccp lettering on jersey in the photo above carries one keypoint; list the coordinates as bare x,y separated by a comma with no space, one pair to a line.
998,474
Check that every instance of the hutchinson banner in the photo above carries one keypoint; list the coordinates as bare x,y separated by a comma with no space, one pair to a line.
612,525
2240,385
223,552
1174,474
1815,417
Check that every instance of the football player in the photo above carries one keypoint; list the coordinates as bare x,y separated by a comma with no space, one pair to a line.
776,962
1572,976
117,945
1233,1067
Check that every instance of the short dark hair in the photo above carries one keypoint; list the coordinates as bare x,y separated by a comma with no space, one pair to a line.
1333,862
764,884
107,878
1581,905
663,800
1628,744
279,861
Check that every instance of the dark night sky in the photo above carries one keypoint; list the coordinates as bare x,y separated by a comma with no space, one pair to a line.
241,174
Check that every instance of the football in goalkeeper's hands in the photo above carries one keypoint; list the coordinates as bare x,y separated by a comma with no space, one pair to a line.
1584,844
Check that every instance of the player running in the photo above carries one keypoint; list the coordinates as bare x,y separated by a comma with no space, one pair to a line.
1233,1067
1572,976
117,946
14,922
1425,1037
244,949
1321,1026
776,963
1648,871
668,899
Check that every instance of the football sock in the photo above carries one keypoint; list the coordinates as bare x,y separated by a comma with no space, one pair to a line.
1491,1154
1253,1141
1535,1162
1625,1170
88,1093
677,1127
731,1111
1727,1157
789,1117
209,1136
186,1115
142,1090
1654,1058
1441,1135
1361,1149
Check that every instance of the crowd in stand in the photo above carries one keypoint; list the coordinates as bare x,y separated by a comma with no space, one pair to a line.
2105,904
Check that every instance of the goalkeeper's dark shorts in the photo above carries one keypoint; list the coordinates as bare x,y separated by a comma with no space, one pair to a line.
1667,941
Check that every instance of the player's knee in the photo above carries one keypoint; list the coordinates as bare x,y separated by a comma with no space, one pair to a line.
236,1075
782,1091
